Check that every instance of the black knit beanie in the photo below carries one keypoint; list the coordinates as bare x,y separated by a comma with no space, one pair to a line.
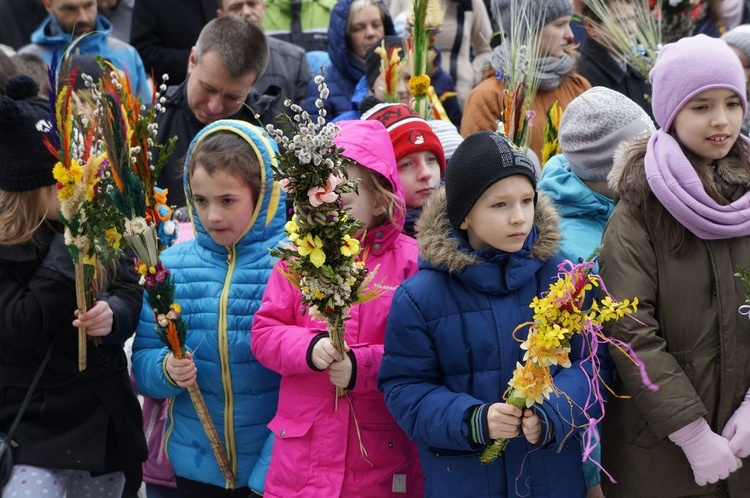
25,163
481,160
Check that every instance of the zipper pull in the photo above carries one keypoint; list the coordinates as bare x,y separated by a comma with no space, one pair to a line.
229,257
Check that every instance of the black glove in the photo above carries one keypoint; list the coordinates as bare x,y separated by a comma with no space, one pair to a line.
58,258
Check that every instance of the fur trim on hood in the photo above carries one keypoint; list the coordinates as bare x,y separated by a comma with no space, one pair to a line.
439,247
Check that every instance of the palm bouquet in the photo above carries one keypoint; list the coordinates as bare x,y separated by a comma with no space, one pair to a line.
128,133
678,17
92,225
324,260
560,314
551,144
424,23
391,62
520,50
636,41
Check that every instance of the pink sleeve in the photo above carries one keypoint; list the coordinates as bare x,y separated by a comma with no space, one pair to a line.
281,335
368,364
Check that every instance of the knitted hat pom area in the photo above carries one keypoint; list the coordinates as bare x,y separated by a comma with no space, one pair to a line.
25,163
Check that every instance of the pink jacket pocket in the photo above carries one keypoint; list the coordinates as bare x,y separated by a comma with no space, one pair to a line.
290,460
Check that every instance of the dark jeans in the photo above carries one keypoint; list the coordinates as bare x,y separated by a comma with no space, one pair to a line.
189,488
156,491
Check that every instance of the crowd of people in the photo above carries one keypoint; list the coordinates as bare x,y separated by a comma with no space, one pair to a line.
462,227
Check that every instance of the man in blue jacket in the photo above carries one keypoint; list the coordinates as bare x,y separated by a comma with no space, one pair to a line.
70,19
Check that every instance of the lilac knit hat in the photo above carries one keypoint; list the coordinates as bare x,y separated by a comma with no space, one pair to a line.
688,67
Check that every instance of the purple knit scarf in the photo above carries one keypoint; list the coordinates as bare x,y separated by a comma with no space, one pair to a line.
675,183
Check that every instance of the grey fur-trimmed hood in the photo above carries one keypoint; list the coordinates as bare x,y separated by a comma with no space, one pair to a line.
439,247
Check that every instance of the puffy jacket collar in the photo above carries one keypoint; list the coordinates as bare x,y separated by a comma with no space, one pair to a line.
266,225
50,33
338,46
571,196
442,248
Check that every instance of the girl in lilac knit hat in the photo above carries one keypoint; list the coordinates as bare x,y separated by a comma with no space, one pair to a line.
678,234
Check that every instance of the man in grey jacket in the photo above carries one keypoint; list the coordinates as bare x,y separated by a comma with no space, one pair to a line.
287,64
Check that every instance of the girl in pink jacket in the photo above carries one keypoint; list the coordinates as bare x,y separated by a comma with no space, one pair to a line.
357,449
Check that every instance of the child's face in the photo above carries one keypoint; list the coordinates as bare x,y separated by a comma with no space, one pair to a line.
224,203
420,177
503,216
362,205
709,123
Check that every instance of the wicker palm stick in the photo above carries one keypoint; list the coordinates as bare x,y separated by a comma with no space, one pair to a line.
208,425
82,304
336,332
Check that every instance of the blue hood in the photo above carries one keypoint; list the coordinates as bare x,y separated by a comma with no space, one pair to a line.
571,196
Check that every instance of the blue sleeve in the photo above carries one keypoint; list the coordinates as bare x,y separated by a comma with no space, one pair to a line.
411,377
257,481
149,353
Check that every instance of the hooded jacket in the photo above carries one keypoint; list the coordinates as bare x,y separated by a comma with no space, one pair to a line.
317,450
344,73
688,331
219,289
50,38
583,212
86,420
449,347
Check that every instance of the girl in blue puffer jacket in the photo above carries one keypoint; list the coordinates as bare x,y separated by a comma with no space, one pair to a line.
220,276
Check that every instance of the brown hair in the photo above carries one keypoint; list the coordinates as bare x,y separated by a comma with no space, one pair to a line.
228,152
21,214
382,192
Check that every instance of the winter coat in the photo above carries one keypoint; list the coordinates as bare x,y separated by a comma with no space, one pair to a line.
303,23
483,107
164,31
583,212
88,420
179,121
49,38
317,450
219,289
449,348
18,19
687,331
287,69
463,39
343,74
599,67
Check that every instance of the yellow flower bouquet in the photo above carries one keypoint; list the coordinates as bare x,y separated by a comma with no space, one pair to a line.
565,310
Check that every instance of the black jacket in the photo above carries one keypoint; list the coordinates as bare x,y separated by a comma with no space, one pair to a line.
598,66
179,121
88,420
288,69
18,19
164,31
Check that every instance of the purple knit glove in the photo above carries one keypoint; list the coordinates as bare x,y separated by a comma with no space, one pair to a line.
708,453
737,430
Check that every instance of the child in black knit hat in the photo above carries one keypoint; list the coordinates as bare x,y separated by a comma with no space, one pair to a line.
81,430
488,245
